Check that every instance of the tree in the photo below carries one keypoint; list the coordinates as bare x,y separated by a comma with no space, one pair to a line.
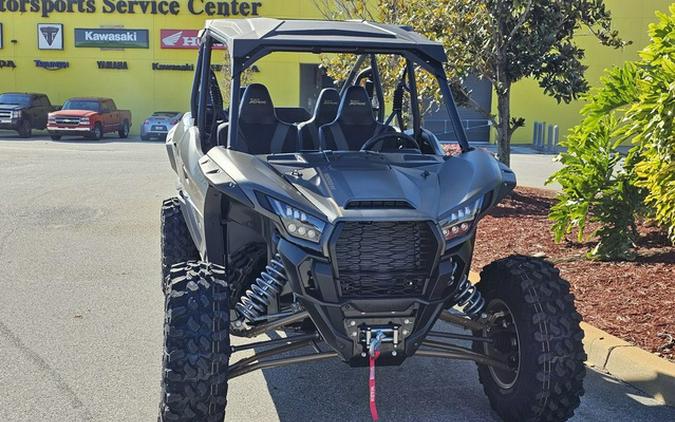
502,41
635,102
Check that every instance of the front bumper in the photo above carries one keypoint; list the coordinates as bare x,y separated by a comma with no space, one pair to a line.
66,131
344,321
9,124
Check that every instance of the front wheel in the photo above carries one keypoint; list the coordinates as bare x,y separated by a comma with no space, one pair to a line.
176,244
196,344
25,129
534,328
97,132
55,137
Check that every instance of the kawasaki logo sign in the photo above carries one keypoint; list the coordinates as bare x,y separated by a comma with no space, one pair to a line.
111,38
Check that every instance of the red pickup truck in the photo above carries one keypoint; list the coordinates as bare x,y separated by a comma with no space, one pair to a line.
88,117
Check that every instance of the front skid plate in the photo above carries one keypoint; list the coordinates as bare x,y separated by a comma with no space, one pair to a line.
311,279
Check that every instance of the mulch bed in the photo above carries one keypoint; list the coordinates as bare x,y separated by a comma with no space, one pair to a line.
633,300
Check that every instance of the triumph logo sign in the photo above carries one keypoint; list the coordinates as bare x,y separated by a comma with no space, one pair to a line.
180,39
111,38
50,36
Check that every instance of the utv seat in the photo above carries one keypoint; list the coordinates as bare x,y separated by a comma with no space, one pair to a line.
260,131
325,112
354,125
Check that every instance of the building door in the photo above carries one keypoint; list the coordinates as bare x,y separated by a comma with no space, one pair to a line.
312,80
475,123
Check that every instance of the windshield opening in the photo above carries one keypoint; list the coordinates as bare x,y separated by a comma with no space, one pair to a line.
19,99
341,102
89,105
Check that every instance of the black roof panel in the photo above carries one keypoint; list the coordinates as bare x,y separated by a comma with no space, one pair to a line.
244,36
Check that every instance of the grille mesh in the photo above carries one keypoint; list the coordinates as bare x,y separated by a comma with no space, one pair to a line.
384,259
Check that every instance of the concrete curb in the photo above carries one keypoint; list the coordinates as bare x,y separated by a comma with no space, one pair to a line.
626,362
643,370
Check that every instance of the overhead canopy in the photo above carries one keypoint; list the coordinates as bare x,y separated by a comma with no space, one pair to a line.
245,37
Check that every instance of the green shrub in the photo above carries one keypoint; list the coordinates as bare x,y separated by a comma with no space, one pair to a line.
634,103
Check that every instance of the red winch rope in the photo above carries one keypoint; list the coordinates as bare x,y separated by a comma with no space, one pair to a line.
371,385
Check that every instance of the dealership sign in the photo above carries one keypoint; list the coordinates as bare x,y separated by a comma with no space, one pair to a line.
51,65
181,39
132,7
111,38
50,36
188,67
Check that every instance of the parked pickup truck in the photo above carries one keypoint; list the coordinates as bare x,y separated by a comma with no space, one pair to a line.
89,117
23,112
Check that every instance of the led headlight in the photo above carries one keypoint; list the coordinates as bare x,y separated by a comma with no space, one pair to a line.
460,220
297,222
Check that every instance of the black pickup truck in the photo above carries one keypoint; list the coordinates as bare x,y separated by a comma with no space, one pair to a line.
24,112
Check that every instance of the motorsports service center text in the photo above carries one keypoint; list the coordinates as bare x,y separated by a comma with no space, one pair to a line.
150,7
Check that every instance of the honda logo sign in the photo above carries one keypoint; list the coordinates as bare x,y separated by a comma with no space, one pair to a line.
180,39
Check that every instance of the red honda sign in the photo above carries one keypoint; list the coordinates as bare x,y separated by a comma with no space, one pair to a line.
180,38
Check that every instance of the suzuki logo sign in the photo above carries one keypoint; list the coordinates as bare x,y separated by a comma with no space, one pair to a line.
180,39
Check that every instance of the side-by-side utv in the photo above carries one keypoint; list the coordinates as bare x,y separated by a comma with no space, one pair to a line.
350,232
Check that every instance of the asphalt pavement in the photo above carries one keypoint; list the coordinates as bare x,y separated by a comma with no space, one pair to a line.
81,310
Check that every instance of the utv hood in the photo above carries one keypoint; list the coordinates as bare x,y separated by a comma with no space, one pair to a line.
368,186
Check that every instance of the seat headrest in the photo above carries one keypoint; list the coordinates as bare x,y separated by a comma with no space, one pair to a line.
326,106
256,105
355,107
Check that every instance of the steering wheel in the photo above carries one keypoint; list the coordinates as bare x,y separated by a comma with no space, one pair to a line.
402,139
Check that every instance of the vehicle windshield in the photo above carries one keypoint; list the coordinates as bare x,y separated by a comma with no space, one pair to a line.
90,105
165,114
19,99
369,102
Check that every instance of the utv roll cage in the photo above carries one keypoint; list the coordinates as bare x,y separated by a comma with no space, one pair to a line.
247,41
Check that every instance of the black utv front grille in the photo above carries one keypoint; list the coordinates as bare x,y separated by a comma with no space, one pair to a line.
378,205
384,259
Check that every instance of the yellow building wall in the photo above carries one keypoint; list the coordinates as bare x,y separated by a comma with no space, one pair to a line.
143,90
139,89
631,18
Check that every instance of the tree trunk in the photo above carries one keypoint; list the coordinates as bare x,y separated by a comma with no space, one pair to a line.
503,128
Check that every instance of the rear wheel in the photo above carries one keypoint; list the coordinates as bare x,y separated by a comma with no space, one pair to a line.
25,129
535,329
55,137
176,242
124,130
196,344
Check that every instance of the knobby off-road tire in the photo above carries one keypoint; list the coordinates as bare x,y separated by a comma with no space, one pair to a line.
549,382
176,242
196,344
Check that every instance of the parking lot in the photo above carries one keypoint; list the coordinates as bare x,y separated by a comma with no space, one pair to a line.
81,310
